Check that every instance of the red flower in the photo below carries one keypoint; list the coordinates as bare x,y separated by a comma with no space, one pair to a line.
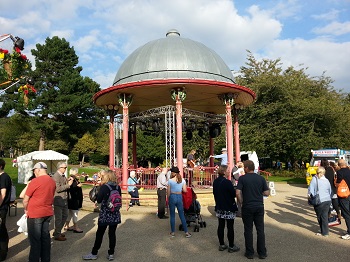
4,51
24,57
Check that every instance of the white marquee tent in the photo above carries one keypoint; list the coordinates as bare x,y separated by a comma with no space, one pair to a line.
26,163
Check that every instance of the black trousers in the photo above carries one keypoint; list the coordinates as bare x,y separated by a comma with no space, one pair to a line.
230,231
161,202
254,216
99,237
4,236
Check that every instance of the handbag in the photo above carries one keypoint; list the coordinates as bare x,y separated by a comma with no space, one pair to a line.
343,189
93,194
314,200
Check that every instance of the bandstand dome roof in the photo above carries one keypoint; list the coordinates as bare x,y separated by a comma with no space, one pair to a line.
154,69
173,57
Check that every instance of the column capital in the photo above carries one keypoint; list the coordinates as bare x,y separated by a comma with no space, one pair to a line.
228,98
178,94
125,99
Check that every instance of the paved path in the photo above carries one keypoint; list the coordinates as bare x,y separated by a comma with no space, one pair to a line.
290,235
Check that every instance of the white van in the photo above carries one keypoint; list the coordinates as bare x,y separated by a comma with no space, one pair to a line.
251,155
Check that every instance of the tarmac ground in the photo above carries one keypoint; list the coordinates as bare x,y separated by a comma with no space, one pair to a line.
290,227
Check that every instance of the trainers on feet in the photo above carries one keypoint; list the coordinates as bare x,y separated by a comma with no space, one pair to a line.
172,234
222,247
262,256
188,235
233,249
249,256
346,237
110,257
90,257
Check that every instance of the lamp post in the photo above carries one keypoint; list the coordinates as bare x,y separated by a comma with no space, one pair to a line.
112,110
125,101
228,100
179,95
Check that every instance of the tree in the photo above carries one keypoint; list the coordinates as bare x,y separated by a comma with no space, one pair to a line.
85,145
293,112
63,108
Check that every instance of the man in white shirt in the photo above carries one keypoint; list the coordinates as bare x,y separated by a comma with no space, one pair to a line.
162,184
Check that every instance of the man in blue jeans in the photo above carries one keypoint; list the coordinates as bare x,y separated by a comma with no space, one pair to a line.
37,204
250,193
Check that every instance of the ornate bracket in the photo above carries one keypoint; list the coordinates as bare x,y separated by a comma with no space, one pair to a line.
125,99
178,94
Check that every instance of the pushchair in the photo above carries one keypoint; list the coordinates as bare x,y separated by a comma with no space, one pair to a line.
192,210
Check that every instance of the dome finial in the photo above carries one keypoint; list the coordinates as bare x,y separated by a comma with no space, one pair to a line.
172,32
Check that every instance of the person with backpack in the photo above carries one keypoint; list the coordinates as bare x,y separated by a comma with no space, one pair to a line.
5,196
109,196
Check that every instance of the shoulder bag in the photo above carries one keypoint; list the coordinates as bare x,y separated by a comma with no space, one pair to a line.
314,200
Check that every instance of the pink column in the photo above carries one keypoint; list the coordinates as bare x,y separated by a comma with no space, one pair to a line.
111,142
229,139
236,133
125,144
211,151
134,159
179,150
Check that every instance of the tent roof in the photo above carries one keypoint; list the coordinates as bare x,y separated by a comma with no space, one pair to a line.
43,155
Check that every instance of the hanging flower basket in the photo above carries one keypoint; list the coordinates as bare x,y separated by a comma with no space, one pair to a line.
12,65
26,91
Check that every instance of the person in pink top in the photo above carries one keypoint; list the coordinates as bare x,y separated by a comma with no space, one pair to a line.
37,204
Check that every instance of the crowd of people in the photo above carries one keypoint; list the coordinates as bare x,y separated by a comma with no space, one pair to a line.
59,197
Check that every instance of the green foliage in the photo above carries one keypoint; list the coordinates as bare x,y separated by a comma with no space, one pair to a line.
73,158
293,112
98,159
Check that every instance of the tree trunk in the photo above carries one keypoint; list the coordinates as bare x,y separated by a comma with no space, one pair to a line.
42,140
82,161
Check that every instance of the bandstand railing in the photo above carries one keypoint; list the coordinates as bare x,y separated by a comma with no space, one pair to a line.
197,177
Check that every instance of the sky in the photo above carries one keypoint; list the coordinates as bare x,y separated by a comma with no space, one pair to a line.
310,34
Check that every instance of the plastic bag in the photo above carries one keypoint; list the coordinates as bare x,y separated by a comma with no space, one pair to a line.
93,194
22,223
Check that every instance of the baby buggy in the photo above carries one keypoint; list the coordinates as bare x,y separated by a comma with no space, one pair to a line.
192,210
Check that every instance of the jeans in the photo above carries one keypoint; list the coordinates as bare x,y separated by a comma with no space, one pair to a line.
39,239
99,237
4,236
256,216
161,202
344,204
230,232
175,200
322,216
61,215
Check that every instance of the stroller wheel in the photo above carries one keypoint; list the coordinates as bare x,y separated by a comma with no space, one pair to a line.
201,224
180,227
204,224
196,228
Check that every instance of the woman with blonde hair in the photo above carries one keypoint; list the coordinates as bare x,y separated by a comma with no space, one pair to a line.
75,201
176,185
107,217
321,186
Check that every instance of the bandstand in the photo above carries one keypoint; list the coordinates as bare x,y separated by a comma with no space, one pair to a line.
173,77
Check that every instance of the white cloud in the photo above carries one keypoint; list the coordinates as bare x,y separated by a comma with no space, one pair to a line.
329,16
334,28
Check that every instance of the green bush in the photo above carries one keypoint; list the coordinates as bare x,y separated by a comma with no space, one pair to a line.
98,159
74,158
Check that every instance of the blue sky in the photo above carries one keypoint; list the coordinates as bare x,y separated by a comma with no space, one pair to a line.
309,34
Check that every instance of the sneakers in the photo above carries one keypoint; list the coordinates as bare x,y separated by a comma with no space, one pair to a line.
172,234
188,235
233,249
90,257
222,247
249,256
110,257
346,237
262,256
